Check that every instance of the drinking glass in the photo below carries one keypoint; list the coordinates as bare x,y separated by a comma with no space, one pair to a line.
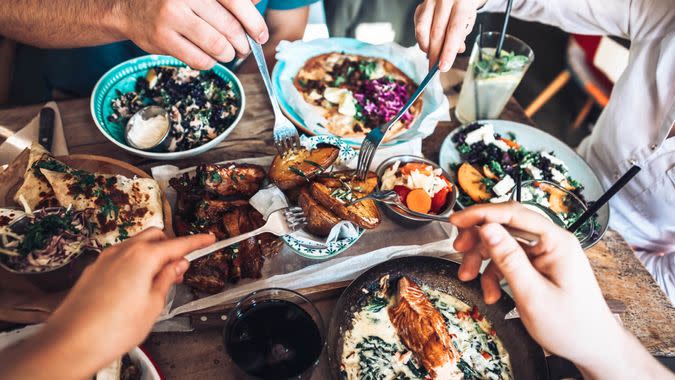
274,333
489,82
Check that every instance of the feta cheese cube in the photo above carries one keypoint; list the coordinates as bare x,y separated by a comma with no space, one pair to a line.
526,195
504,186
480,134
557,175
534,171
501,145
554,160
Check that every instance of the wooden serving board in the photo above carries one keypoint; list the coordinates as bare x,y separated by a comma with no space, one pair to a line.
12,177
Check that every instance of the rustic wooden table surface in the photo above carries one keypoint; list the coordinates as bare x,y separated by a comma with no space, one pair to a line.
199,354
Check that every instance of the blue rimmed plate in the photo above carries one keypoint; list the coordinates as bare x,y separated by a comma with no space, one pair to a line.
123,78
299,52
312,249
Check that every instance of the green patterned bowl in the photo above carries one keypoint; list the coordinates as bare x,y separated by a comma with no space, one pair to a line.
123,78
314,250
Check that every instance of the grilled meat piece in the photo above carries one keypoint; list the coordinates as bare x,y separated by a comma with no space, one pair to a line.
231,179
209,273
422,329
212,210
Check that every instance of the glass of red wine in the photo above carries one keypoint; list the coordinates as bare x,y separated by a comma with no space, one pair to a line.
275,333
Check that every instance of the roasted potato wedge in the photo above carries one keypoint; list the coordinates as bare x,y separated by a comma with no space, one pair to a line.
365,214
336,179
296,169
319,219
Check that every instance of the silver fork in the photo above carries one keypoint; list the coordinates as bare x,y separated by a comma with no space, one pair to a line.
390,197
286,137
374,137
280,222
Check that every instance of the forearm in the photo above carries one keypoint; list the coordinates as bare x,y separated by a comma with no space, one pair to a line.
573,16
625,359
53,354
62,23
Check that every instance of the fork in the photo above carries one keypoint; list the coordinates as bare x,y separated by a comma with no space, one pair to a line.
390,197
280,222
374,137
286,137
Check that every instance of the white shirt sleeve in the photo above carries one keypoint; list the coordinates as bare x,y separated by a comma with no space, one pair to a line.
631,19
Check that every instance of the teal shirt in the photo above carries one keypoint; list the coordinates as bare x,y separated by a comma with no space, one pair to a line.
75,71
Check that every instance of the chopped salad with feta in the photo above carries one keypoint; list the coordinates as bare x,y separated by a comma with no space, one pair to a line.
490,165
421,187
495,160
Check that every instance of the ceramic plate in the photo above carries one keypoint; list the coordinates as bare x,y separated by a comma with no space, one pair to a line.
123,78
353,46
535,139
314,250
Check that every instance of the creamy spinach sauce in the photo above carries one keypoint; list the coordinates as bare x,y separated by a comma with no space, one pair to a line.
373,351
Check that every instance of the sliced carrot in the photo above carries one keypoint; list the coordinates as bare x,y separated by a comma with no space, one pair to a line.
412,166
510,143
418,200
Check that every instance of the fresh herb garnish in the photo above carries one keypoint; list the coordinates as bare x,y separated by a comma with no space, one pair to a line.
339,80
314,164
38,233
216,177
297,171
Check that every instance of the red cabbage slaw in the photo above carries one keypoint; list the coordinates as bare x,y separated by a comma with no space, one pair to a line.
381,99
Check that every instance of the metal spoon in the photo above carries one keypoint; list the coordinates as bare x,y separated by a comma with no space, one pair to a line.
390,197
144,114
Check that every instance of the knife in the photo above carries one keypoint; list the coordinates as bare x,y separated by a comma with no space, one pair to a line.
46,131
615,306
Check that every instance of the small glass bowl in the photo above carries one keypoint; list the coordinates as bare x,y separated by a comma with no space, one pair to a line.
585,233
281,347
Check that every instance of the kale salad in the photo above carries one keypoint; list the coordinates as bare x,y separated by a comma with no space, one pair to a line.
201,105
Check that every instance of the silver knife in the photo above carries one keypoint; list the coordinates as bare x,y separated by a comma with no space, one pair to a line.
615,306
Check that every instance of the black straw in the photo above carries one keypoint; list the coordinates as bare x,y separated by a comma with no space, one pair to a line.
519,182
618,185
480,42
506,23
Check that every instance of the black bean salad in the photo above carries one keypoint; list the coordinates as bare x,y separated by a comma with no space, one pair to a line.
201,105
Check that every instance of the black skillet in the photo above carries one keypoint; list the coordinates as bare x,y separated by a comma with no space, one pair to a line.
527,357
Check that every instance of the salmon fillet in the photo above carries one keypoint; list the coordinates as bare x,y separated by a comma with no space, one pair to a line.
422,329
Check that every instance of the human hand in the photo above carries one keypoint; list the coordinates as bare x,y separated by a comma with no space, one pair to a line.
198,32
118,298
441,26
558,298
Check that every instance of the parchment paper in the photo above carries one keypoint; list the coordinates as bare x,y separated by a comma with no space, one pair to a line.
290,270
412,61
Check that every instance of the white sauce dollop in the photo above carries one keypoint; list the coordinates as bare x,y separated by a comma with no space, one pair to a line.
145,134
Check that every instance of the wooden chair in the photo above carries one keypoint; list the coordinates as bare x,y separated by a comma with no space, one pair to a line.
594,63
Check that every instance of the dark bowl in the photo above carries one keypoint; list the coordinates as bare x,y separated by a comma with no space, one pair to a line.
526,356
57,278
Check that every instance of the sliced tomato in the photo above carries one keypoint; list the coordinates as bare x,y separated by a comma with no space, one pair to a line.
475,314
402,192
486,354
439,200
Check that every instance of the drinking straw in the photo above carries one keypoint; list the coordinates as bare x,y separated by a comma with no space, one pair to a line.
506,22
480,42
618,185
519,182
479,45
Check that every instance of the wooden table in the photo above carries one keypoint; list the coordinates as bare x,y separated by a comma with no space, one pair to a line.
649,316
